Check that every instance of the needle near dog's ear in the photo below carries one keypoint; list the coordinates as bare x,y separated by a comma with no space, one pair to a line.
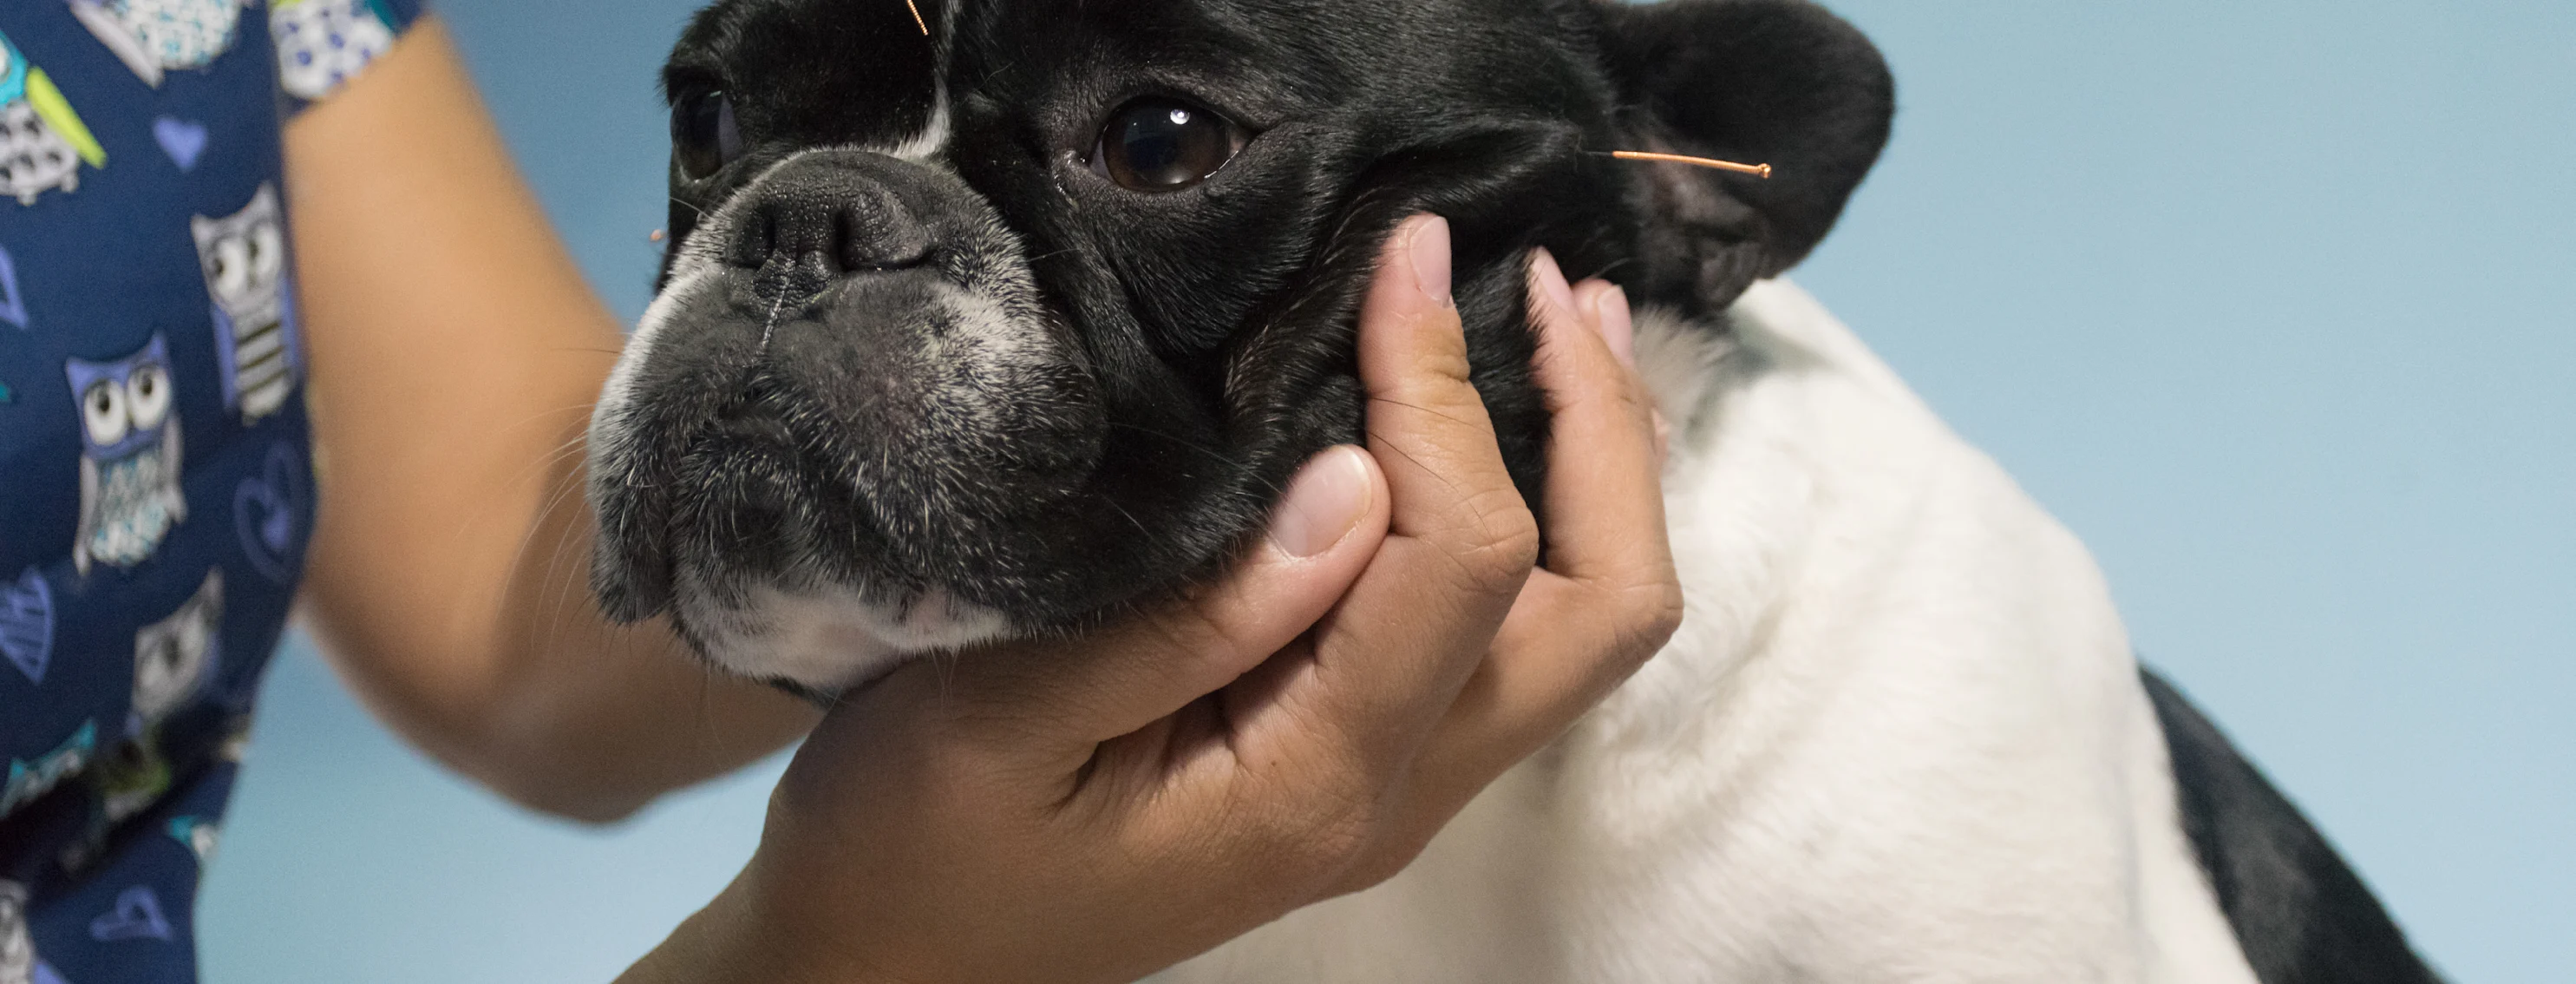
916,17
1756,170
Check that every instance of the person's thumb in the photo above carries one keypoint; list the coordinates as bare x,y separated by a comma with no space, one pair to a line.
1147,667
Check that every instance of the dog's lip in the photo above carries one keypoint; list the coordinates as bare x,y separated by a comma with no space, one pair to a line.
739,461
743,442
754,427
833,638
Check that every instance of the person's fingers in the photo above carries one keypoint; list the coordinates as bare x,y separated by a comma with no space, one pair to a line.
1663,440
1608,314
1604,508
1426,422
1609,598
1460,541
1063,698
1609,594
1604,307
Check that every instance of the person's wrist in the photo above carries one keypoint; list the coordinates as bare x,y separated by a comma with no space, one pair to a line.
743,936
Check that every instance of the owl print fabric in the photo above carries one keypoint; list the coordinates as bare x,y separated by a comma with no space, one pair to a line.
43,143
156,36
321,43
156,490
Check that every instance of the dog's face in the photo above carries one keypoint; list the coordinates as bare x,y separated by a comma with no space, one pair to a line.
1002,326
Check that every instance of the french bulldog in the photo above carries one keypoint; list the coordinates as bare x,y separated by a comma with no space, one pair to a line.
1016,317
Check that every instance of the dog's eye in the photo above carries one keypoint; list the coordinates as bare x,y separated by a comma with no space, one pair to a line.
1163,145
704,135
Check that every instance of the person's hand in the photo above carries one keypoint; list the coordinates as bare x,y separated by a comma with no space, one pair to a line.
1101,809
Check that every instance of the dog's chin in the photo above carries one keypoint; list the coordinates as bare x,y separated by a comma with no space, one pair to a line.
820,641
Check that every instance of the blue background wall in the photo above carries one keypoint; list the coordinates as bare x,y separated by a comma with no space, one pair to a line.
2272,303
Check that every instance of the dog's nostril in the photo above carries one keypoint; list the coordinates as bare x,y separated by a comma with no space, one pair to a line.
869,243
757,241
804,237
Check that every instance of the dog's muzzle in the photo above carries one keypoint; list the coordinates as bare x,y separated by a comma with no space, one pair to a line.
820,442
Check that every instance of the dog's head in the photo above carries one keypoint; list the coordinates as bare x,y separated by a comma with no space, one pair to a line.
1000,321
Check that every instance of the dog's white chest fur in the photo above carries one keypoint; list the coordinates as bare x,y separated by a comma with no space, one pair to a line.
1899,737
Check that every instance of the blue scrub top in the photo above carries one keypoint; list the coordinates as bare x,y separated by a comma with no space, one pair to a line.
156,488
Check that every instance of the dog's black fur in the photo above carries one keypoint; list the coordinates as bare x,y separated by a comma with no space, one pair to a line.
991,370
1204,335
2301,914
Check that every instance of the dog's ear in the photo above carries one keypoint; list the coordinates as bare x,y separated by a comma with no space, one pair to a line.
1780,82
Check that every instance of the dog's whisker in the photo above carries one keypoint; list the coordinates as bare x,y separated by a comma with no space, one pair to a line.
1131,517
553,457
1177,441
561,575
1444,415
1377,442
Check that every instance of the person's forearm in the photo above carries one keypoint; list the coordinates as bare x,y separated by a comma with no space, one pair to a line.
455,351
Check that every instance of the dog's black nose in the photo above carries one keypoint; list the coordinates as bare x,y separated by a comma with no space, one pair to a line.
819,220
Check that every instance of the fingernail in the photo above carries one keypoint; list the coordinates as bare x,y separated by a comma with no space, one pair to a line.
1323,504
1429,245
1551,279
1663,438
1617,330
